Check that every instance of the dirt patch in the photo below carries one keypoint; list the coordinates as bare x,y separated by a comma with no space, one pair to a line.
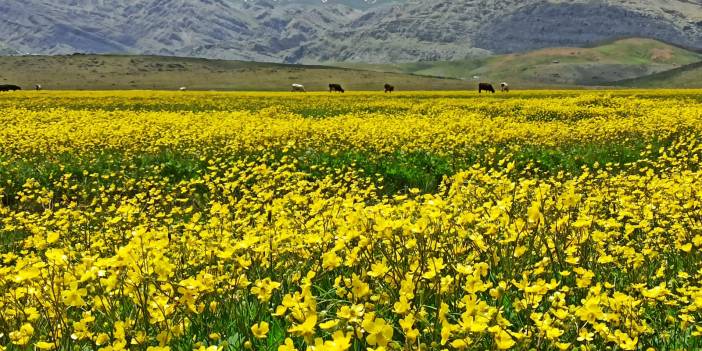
560,52
661,54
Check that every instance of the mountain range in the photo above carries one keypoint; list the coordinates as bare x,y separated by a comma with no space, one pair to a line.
312,31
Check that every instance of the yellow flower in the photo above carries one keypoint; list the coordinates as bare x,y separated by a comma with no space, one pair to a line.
23,335
351,313
503,340
461,343
407,325
158,348
263,289
102,339
306,328
378,269
28,274
436,265
590,311
260,330
379,332
585,336
43,345
74,296
359,288
330,260
329,324
402,307
287,346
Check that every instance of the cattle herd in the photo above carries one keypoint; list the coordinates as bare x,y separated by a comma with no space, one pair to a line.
337,88
333,88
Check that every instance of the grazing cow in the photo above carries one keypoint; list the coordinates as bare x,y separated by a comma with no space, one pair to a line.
335,88
389,88
37,87
9,87
298,88
183,88
486,87
504,87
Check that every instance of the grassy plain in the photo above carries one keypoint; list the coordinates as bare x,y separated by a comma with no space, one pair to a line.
128,72
423,220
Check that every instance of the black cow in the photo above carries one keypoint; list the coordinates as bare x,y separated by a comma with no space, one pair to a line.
9,87
389,88
486,87
335,88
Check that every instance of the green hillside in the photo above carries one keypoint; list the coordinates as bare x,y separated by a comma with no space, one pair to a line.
615,61
689,76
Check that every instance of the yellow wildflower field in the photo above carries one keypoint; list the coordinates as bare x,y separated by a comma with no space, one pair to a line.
408,221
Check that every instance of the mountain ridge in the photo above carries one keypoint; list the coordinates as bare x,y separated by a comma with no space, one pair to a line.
306,31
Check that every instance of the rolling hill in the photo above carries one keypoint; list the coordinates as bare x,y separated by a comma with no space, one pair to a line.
315,31
602,64
106,72
6,51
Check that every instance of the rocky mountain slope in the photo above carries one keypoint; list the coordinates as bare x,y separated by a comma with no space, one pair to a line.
311,31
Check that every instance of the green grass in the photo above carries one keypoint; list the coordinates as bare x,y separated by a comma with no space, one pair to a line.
394,173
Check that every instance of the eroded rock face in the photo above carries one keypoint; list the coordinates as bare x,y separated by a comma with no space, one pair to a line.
545,24
310,31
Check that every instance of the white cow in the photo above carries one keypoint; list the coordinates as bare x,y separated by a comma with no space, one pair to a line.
298,88
183,88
